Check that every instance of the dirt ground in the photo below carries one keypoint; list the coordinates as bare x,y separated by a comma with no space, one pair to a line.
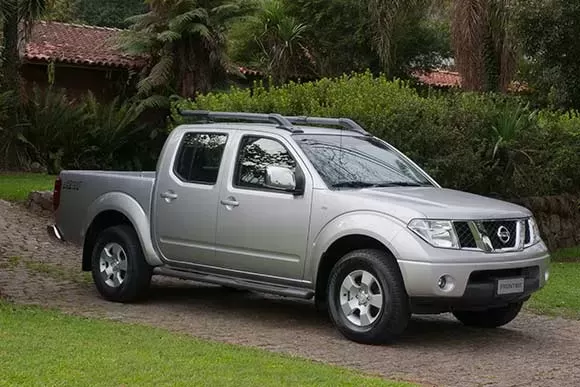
435,350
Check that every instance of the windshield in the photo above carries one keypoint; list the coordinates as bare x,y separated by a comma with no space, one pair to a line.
358,162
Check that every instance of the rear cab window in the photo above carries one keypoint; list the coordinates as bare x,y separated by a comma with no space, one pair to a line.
199,157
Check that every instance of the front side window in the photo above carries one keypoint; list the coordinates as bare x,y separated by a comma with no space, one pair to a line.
199,157
358,162
255,155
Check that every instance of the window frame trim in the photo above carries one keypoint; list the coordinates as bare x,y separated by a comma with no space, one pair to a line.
180,150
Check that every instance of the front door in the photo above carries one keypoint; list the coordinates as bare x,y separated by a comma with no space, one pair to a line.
186,199
260,230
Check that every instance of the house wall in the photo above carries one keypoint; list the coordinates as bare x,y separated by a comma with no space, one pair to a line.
105,84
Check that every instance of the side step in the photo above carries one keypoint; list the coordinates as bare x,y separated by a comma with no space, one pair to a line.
236,283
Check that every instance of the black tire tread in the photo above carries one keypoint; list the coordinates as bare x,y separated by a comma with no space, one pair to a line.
390,325
136,285
490,318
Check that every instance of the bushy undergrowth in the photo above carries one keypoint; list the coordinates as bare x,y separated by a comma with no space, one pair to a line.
60,132
484,143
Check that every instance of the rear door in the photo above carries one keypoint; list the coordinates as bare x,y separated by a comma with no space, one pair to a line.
186,198
259,230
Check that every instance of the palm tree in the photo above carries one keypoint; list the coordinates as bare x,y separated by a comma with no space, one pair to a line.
483,44
280,40
384,16
185,41
13,14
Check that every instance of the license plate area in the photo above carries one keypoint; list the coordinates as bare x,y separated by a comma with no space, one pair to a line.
509,286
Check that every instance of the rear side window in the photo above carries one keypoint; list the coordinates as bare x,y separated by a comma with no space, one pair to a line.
199,157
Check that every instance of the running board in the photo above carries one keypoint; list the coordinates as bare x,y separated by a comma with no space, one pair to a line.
236,283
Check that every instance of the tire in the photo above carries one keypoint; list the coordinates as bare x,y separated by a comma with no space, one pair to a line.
120,282
378,321
490,318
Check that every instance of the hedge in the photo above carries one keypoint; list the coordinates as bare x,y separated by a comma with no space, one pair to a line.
484,143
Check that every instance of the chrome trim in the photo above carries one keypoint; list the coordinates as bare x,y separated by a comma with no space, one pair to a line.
54,233
483,242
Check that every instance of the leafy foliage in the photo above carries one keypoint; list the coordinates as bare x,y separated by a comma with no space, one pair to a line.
273,41
474,142
548,32
108,13
103,13
335,37
60,133
186,42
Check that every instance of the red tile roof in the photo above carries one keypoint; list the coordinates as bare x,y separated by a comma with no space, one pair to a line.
440,78
77,44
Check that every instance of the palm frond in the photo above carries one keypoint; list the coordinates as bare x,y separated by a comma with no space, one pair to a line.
183,21
160,74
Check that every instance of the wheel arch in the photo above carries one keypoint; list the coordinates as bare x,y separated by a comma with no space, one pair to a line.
338,249
116,208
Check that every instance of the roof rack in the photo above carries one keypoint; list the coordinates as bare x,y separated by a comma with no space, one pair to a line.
282,122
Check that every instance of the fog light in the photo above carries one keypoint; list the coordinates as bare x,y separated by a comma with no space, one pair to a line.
547,275
446,283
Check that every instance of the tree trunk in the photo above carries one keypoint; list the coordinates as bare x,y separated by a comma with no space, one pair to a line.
11,65
194,70
469,30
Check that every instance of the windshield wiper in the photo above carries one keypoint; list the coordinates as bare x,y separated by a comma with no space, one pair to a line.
353,184
401,184
366,184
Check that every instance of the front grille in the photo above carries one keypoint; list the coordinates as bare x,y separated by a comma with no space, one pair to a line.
466,239
492,235
501,233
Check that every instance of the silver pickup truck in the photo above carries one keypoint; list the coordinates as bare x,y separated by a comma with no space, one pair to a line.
303,207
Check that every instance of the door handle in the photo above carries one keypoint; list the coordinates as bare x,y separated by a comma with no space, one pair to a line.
230,202
169,195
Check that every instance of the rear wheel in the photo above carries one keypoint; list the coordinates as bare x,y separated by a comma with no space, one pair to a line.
367,300
489,318
118,265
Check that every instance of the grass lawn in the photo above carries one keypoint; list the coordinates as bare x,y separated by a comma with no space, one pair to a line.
570,254
41,347
561,295
17,186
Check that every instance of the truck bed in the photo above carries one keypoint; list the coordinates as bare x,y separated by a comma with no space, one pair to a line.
81,189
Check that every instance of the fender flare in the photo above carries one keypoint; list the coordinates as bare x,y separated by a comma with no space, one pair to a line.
376,225
132,210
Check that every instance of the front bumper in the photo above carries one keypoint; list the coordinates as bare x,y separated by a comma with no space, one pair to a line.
472,278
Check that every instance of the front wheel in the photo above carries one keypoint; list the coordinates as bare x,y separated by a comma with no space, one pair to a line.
367,300
119,269
489,318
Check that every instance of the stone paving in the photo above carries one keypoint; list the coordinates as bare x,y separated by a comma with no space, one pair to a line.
436,350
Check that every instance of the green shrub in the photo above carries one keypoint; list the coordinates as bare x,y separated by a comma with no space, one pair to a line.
62,133
484,143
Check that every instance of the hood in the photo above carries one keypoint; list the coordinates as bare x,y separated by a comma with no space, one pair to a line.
438,203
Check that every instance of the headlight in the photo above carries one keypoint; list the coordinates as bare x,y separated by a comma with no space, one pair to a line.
535,231
439,233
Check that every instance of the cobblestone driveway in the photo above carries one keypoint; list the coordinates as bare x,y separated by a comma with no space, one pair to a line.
532,350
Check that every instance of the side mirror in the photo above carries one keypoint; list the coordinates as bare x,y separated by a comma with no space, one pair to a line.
283,179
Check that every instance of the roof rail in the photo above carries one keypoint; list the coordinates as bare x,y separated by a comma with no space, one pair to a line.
346,123
282,122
